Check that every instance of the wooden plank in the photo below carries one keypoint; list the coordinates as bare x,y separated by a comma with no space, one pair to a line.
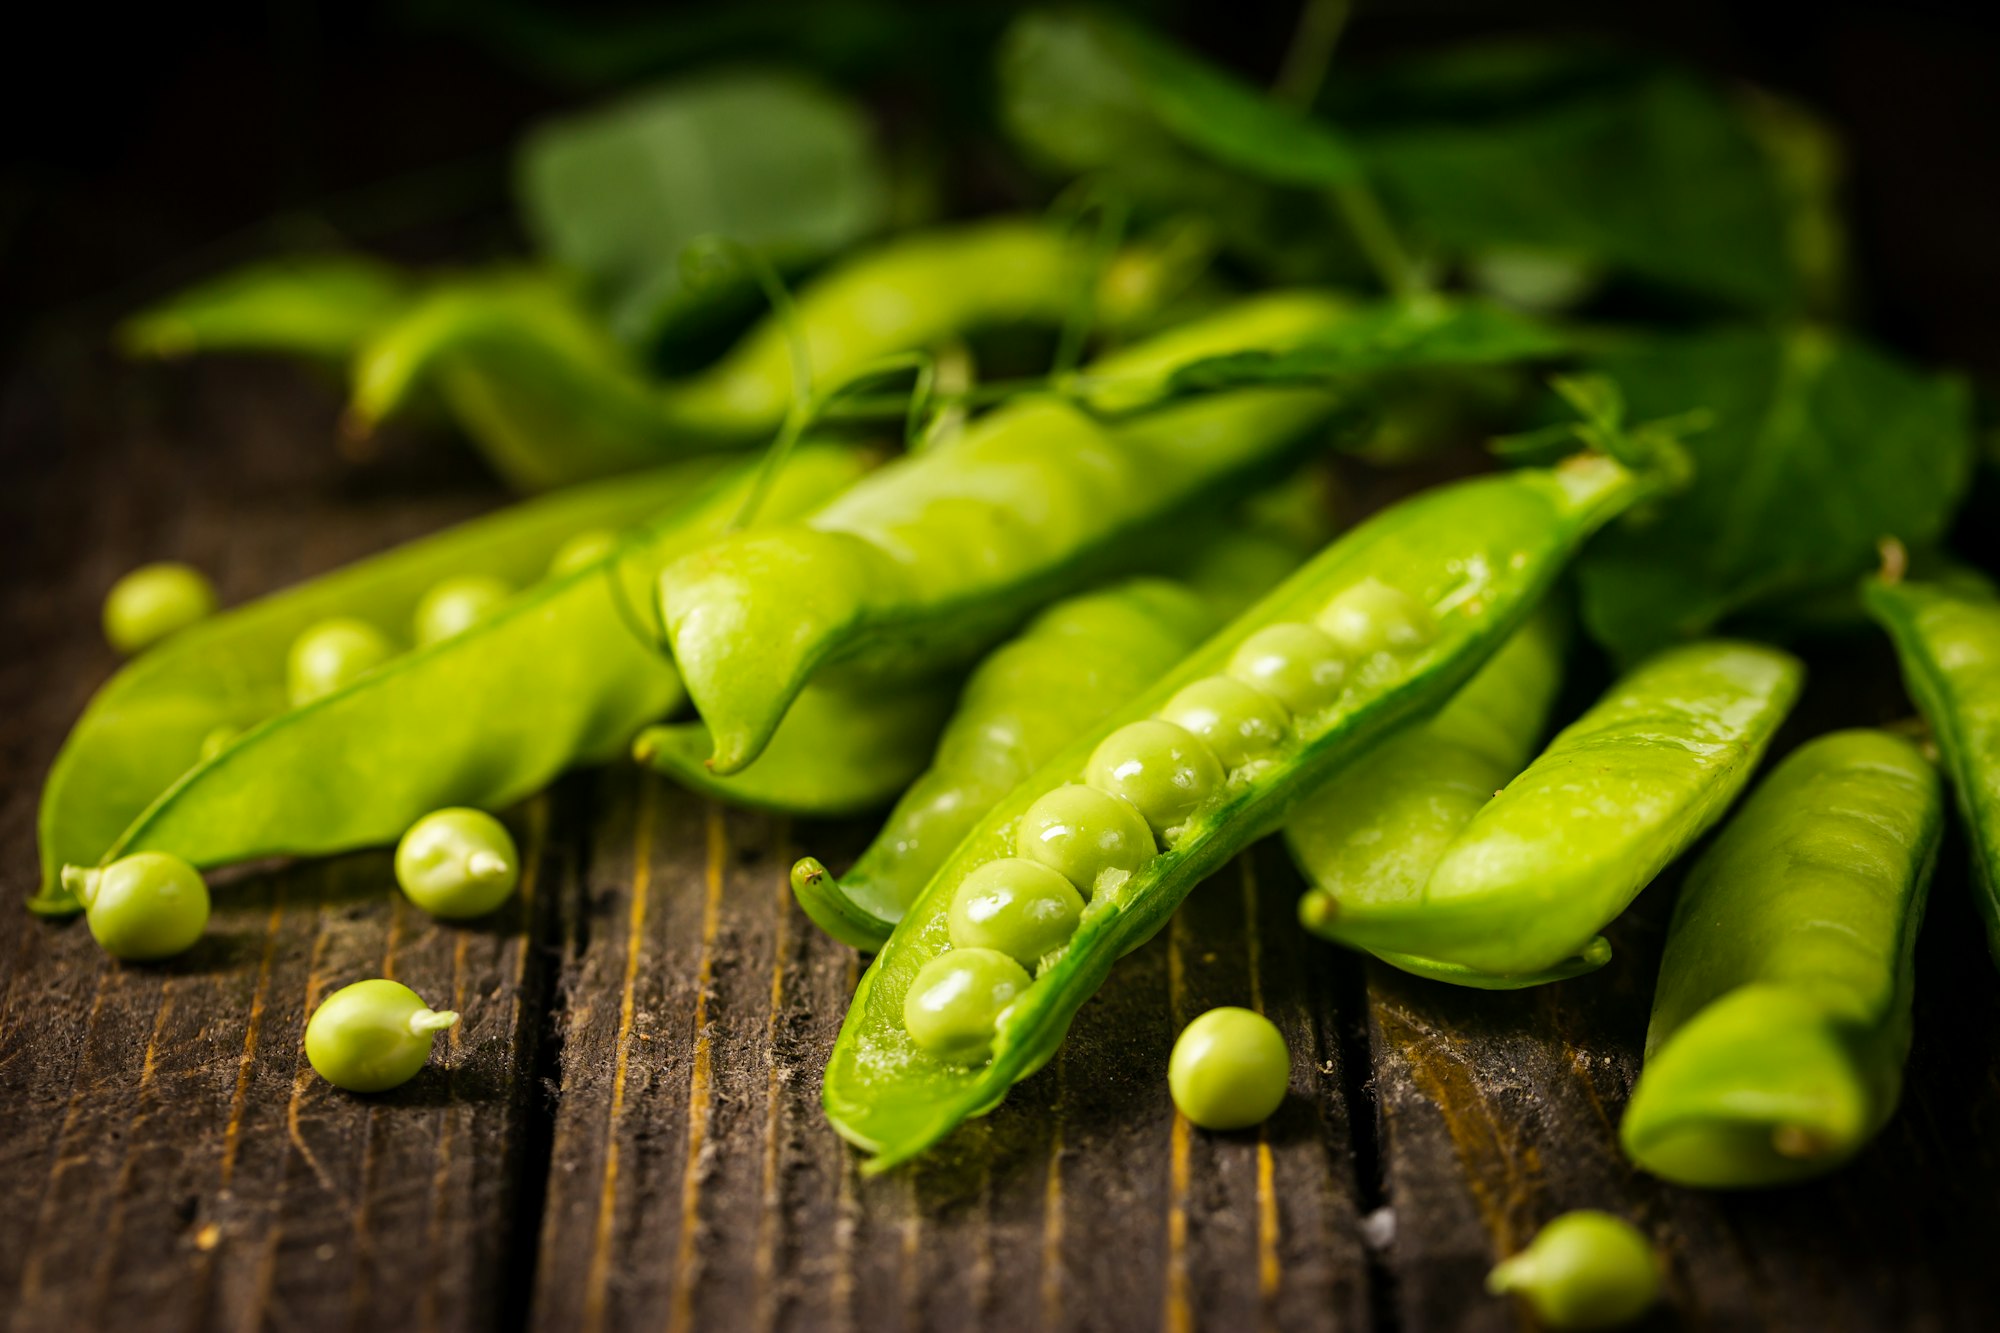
169,1158
695,1183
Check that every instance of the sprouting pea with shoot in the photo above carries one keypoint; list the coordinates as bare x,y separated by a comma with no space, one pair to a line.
1584,1270
143,907
373,1035
458,863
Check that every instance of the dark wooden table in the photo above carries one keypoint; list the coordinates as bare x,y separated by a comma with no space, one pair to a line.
624,1131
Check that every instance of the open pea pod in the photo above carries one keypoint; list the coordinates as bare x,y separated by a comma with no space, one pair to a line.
538,381
838,752
1372,836
1782,1017
555,676
1618,795
1072,665
1207,761
310,305
1948,640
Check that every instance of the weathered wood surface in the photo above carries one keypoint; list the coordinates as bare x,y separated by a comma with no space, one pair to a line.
625,1132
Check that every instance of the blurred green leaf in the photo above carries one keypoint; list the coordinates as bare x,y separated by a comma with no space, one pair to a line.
1820,447
770,160
1657,177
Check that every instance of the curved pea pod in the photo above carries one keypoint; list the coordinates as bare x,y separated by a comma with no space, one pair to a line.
311,305
1619,793
1074,664
1138,376
1948,640
1477,556
838,752
553,677
541,385
1371,837
1783,1012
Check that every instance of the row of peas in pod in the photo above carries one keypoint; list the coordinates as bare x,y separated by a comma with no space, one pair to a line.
1141,785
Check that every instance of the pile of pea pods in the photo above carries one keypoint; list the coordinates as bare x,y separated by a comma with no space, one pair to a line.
1077,637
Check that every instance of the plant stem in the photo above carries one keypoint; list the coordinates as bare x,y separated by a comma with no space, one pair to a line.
1321,23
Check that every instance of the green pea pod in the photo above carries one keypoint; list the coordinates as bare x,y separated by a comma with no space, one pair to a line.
538,381
554,677
1617,795
1372,836
1783,1012
1073,664
1475,556
939,554
1949,642
838,752
318,306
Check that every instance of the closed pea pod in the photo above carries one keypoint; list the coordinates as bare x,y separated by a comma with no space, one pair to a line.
1783,1011
1948,640
1478,554
1621,792
1369,839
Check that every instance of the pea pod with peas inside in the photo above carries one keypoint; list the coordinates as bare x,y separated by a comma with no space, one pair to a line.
941,553
1948,640
1372,836
554,677
1139,808
1783,1012
1519,895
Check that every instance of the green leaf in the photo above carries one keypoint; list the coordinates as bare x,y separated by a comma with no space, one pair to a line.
768,159
1820,446
1658,177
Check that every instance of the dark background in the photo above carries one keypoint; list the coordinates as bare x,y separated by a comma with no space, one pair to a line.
149,146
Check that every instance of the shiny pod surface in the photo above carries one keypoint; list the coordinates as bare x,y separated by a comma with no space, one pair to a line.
1620,793
941,553
1370,838
1783,1011
1480,554
557,678
1949,643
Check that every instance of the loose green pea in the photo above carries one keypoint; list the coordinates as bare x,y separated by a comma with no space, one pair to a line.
373,1035
1238,722
1373,617
1019,907
952,1006
154,601
1584,1270
331,654
1229,1069
455,605
458,863
141,907
1299,666
586,548
1164,770
1091,838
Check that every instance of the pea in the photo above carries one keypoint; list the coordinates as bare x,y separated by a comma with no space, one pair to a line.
1373,617
455,605
1229,1069
1584,1270
1091,838
217,740
1299,666
142,907
1239,722
956,999
1020,908
330,655
154,601
1164,770
457,863
581,551
373,1035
